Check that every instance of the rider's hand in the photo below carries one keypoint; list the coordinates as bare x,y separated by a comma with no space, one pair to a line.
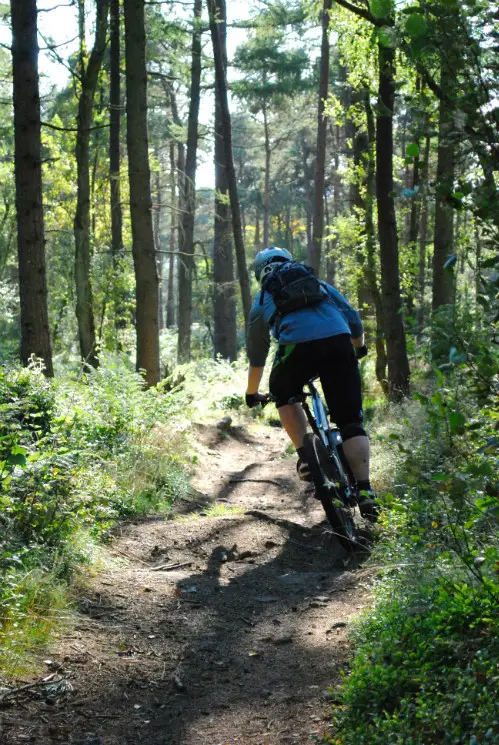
253,399
361,352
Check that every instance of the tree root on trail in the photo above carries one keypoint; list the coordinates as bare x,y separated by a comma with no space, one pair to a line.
257,481
288,524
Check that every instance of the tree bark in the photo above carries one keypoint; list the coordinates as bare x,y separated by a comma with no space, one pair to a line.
178,202
157,210
398,365
221,91
314,257
258,244
81,226
423,235
266,179
170,300
443,239
144,258
186,238
371,280
35,334
224,302
115,106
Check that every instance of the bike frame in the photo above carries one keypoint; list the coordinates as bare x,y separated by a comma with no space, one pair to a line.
319,422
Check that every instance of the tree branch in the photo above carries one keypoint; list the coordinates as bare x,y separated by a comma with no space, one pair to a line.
72,129
365,14
61,5
51,47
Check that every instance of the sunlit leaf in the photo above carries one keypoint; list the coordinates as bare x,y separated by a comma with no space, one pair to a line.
381,8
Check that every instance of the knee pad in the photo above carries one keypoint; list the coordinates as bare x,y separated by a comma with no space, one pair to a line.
355,429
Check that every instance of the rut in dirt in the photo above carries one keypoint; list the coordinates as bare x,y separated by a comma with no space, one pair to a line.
207,630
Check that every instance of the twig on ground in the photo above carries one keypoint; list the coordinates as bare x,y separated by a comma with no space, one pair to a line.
127,556
247,621
256,481
167,567
28,686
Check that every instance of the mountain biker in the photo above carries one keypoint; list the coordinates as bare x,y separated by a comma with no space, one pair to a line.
317,340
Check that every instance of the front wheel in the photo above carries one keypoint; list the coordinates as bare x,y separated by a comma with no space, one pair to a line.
325,476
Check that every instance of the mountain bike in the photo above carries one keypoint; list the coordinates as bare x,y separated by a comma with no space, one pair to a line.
331,474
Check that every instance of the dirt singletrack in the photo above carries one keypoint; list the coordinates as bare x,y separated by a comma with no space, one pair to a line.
204,630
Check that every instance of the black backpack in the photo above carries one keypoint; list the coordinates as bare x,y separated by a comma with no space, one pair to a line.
292,286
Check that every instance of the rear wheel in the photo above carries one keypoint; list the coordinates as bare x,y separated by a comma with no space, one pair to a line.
326,474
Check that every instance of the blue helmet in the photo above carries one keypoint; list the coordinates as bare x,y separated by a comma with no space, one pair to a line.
266,259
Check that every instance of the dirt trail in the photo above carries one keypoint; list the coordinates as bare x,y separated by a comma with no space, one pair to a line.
237,645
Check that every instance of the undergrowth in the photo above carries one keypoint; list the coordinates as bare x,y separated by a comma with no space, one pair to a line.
426,665
77,454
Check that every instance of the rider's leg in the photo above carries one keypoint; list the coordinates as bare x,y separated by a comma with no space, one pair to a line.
294,421
356,449
290,371
341,384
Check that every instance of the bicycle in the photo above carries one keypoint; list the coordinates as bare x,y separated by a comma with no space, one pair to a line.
331,474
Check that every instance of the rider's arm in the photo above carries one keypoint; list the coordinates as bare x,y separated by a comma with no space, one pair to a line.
358,341
257,338
254,379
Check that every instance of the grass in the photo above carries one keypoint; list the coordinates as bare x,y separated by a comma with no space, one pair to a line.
218,509
40,605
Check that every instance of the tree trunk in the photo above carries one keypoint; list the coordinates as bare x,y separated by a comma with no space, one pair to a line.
423,235
258,245
178,202
221,92
371,280
398,365
81,225
266,180
170,301
224,302
115,112
186,238
443,240
115,107
35,334
314,257
144,259
157,210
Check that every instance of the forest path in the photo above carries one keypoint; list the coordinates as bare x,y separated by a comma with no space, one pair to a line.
237,645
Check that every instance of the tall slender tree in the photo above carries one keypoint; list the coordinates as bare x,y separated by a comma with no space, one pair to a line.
115,106
315,248
186,238
144,256
226,128
224,303
170,297
443,240
35,335
398,364
89,75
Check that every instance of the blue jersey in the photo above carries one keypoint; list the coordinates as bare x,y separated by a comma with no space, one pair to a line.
331,317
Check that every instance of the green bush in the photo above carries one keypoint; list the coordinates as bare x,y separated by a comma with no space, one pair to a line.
425,670
426,665
76,454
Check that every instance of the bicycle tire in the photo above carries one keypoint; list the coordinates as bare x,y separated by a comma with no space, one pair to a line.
325,474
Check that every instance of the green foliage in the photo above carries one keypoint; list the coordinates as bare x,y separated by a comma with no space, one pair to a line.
381,8
75,455
425,669
416,25
427,655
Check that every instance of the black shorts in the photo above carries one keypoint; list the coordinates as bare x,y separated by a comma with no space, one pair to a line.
333,360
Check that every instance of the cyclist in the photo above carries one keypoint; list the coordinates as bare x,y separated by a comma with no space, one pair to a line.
317,340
